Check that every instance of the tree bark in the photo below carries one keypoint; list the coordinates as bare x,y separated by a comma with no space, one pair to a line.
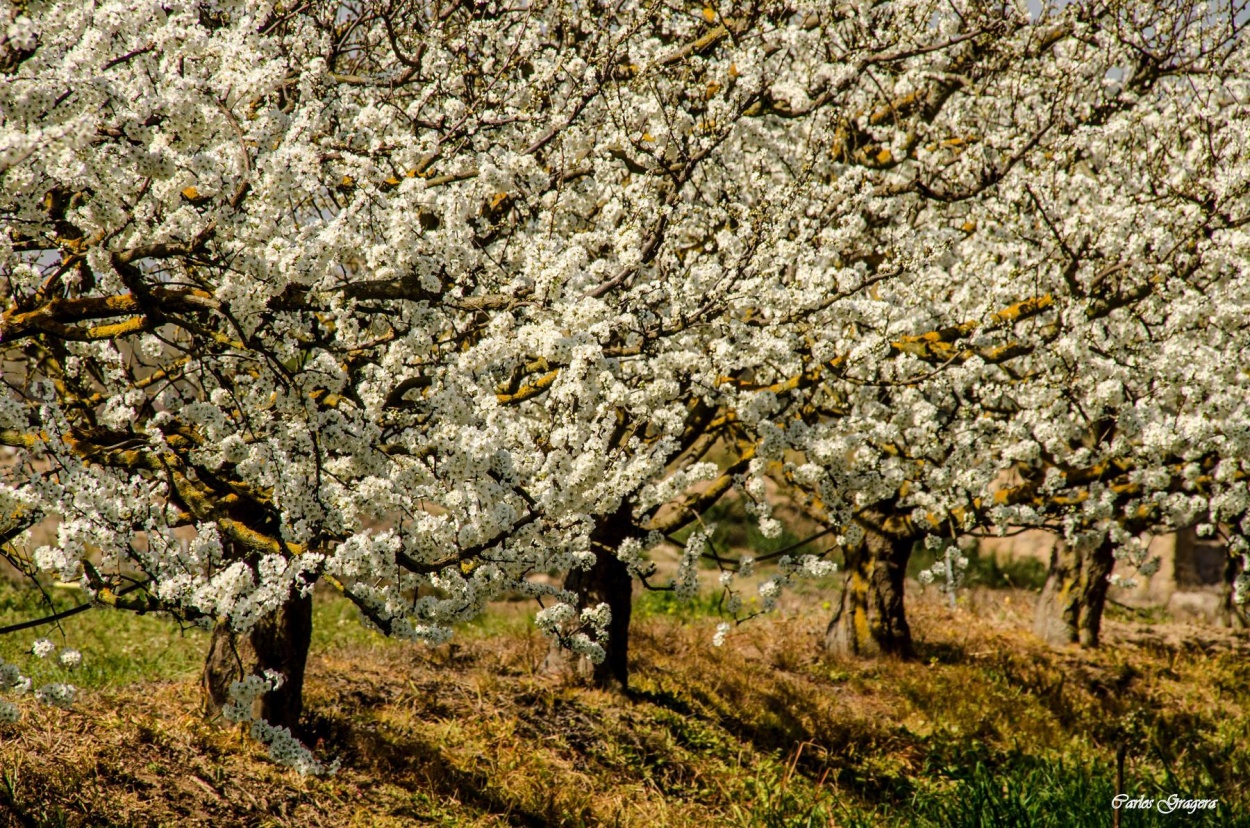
871,620
1069,610
278,642
607,582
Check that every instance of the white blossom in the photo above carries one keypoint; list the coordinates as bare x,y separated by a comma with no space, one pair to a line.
56,694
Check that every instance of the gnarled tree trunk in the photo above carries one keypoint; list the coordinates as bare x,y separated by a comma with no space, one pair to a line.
1069,610
870,619
607,582
278,642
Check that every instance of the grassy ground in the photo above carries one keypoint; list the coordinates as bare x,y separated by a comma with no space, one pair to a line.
986,728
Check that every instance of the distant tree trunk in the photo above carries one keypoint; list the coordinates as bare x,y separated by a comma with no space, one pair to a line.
1069,610
607,582
1236,615
870,619
278,642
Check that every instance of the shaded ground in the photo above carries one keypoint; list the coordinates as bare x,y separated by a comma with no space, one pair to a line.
987,727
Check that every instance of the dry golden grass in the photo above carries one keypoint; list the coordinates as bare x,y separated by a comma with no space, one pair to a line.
473,734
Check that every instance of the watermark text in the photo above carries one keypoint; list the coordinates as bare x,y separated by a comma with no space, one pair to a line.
1164,806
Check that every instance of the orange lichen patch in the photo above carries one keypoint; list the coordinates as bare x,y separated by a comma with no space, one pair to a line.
533,389
939,344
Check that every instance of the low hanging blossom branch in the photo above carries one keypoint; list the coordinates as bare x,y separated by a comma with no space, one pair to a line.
284,748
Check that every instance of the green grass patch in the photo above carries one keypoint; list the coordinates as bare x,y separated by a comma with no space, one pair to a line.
667,603
1024,791
118,647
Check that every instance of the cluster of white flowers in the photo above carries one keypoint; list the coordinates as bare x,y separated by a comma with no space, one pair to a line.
562,622
686,582
284,748
243,696
1241,585
12,680
57,694
806,566
948,570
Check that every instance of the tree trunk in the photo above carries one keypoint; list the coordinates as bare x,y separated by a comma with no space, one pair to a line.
870,619
607,582
278,642
1069,610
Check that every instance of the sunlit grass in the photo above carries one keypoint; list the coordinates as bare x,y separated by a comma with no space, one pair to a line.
119,648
